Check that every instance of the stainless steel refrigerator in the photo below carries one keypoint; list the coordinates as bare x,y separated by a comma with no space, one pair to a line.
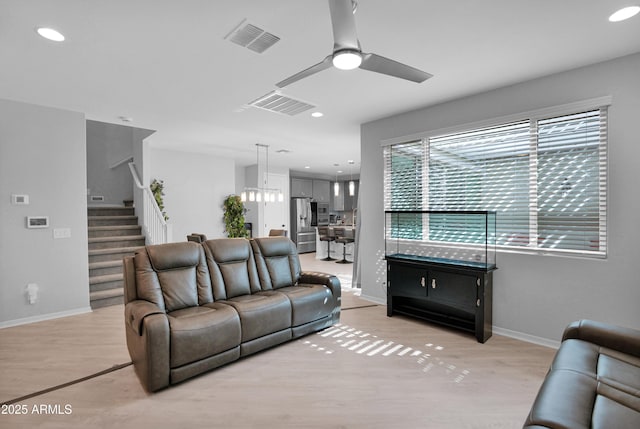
302,231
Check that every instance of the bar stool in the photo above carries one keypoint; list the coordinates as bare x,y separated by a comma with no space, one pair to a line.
344,236
324,233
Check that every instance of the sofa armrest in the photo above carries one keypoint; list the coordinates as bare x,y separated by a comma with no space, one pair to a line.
136,311
625,340
329,280
148,341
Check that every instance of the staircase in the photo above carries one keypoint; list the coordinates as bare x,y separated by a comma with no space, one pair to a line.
113,234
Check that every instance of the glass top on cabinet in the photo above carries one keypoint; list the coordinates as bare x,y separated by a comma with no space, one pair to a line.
457,238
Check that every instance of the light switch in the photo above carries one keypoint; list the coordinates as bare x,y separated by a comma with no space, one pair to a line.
61,232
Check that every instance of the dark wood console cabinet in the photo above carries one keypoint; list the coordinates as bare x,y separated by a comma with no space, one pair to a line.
448,294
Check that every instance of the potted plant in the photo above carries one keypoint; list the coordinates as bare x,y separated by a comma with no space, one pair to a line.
157,189
234,217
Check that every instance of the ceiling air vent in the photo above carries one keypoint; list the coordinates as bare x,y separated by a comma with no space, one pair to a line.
252,37
278,103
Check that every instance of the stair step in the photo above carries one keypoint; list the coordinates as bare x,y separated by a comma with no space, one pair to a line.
111,211
111,242
114,230
105,298
109,281
105,268
111,254
112,220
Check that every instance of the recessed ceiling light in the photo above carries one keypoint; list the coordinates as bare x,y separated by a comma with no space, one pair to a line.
307,166
50,34
317,114
624,13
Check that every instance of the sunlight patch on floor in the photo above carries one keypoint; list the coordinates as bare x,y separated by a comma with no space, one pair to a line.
355,340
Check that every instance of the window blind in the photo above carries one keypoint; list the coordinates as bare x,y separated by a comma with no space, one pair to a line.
571,181
545,178
404,186
486,169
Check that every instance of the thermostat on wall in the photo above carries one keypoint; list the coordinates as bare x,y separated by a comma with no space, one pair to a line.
19,199
37,221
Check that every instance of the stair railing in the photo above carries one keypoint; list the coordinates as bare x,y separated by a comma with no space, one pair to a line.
155,227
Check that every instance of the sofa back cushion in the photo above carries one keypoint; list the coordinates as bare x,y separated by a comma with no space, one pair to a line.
232,267
173,276
277,261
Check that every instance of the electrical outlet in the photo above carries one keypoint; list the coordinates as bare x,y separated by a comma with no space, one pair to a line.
32,293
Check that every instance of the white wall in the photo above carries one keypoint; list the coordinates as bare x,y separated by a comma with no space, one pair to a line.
43,155
534,296
195,186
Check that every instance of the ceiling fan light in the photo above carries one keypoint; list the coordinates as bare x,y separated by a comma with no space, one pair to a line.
347,60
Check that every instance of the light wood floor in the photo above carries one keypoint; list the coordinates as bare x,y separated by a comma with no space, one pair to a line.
370,371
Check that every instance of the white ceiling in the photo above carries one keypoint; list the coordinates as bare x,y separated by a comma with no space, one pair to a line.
166,64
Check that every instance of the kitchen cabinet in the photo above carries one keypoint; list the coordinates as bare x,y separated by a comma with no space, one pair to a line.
350,201
301,187
321,191
343,201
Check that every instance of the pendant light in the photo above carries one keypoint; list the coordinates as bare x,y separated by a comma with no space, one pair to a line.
262,193
352,184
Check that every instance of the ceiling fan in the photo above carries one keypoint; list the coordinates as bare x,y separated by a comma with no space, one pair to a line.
347,53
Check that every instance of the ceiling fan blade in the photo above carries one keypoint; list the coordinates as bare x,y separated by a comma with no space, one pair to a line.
344,25
379,64
325,64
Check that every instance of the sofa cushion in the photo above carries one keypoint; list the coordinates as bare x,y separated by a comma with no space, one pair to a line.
308,302
277,262
173,276
199,332
232,267
566,399
588,386
262,313
576,355
608,414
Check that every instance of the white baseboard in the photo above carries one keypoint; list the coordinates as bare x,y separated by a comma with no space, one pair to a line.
526,337
496,330
43,317
374,299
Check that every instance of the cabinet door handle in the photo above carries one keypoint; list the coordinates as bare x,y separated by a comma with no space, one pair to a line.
433,283
422,282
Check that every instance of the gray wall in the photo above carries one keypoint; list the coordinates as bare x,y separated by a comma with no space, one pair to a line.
108,145
43,155
535,296
195,186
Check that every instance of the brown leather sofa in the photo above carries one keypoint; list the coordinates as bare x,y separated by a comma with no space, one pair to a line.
191,307
594,380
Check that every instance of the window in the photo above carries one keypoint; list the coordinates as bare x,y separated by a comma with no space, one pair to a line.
544,176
